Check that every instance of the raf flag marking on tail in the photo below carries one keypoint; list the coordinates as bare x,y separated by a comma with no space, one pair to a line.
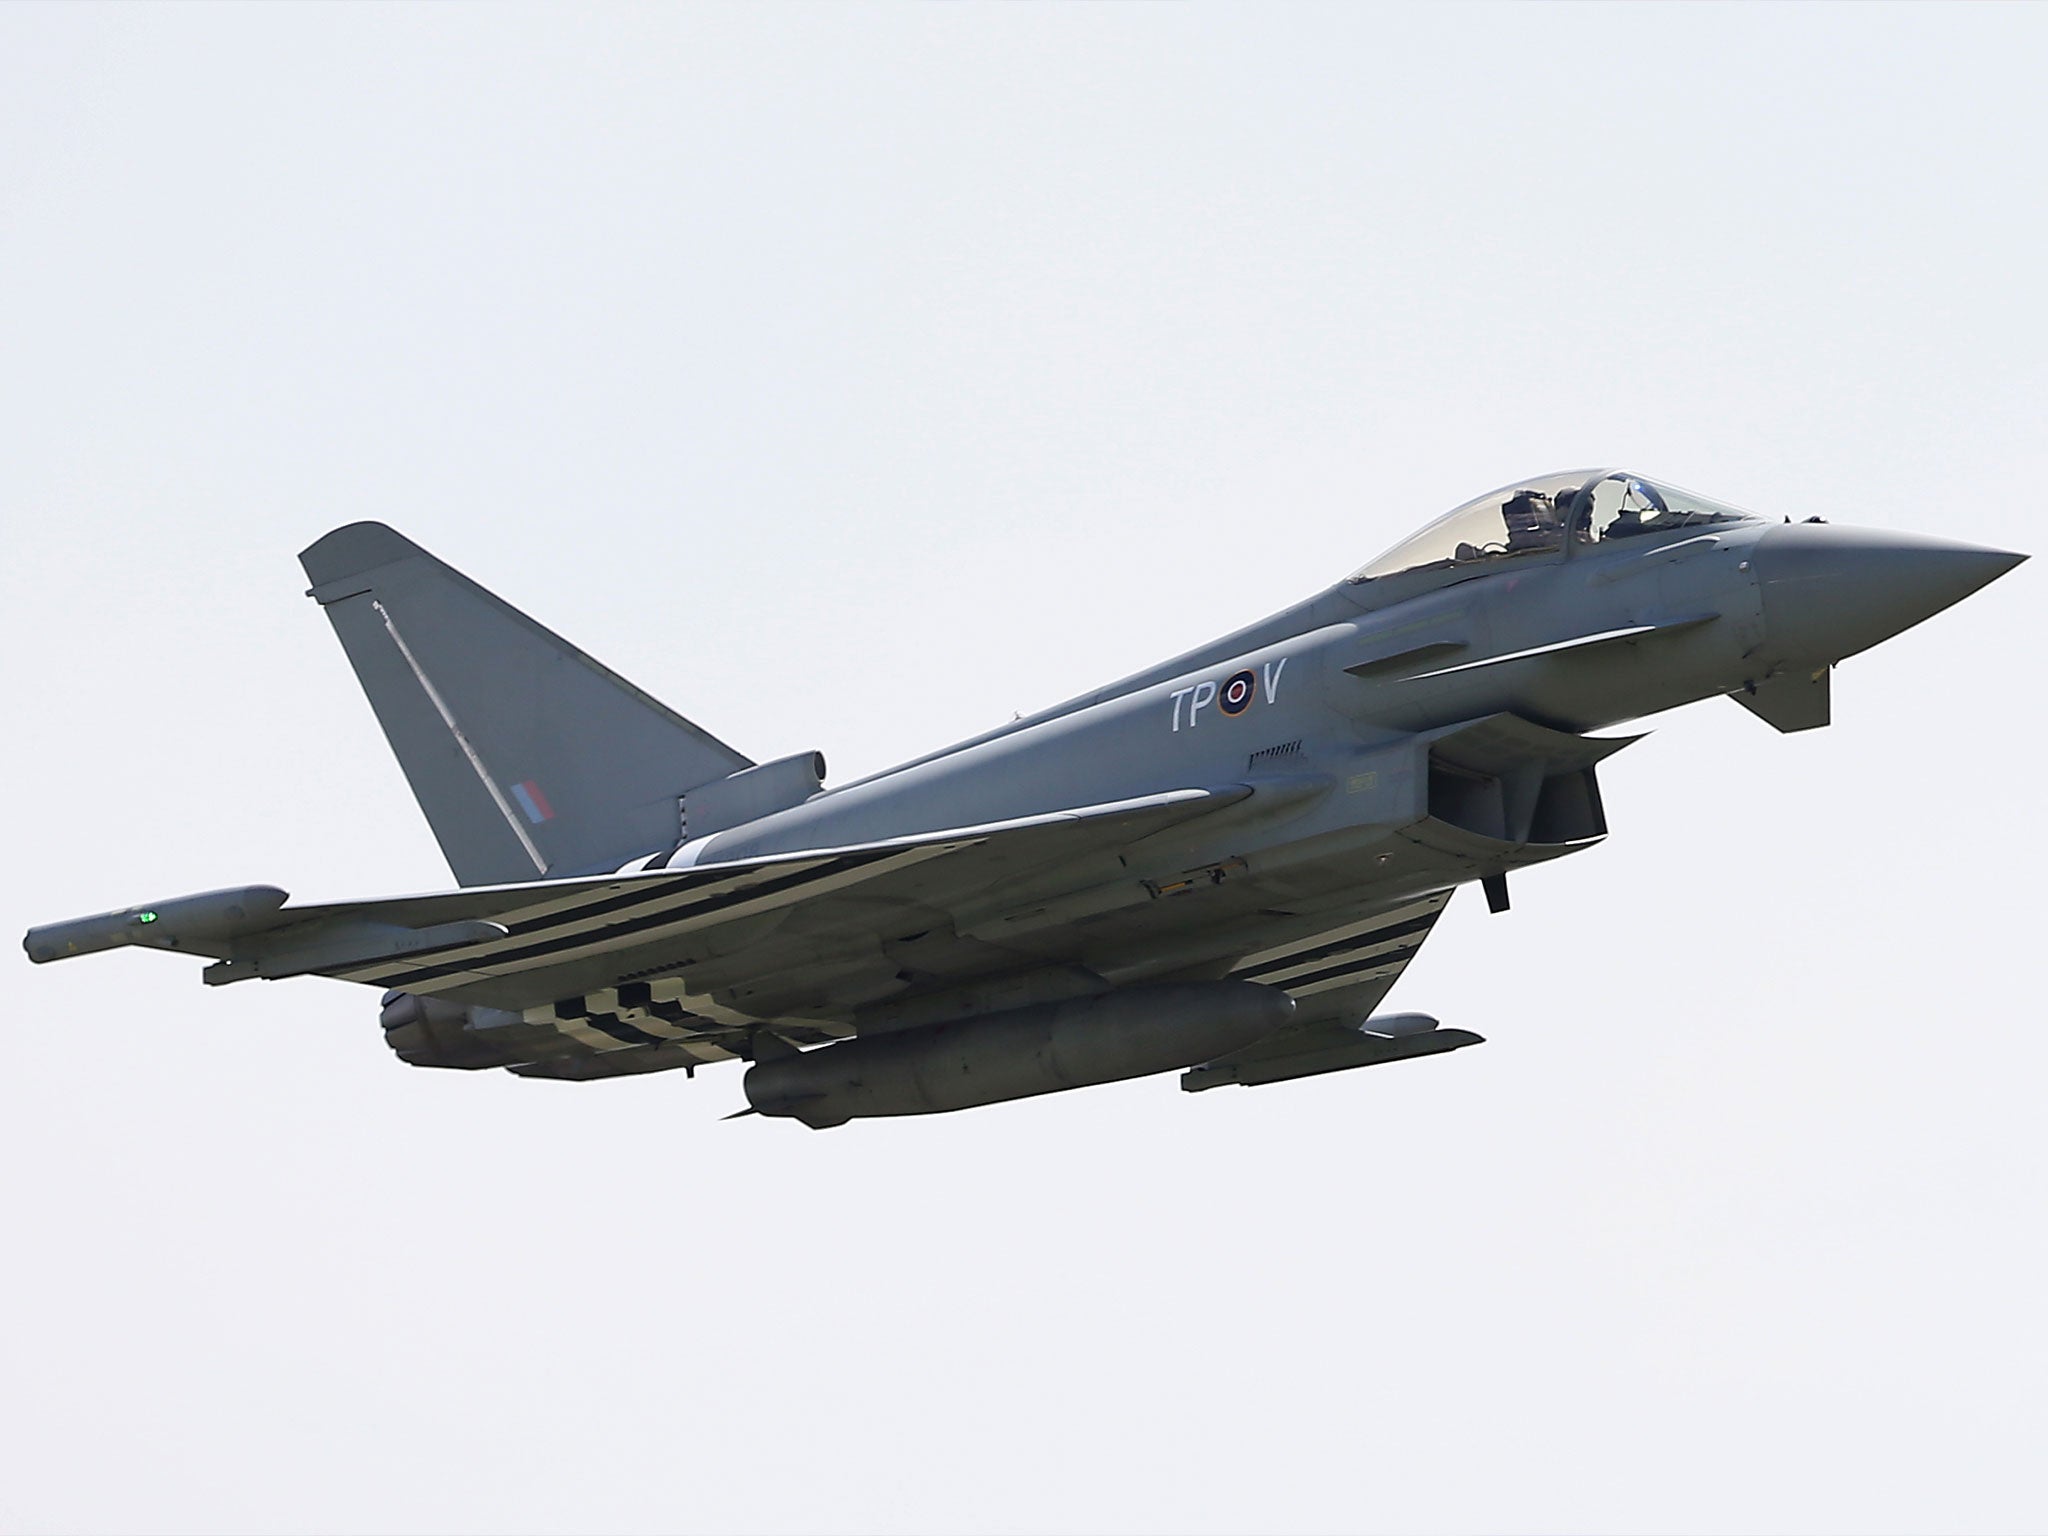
533,802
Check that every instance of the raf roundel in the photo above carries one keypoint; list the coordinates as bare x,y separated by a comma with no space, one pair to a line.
1238,692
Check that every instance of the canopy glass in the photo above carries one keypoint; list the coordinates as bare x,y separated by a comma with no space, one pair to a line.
1530,517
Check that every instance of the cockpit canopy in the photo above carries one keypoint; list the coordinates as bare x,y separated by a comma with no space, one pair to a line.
1530,517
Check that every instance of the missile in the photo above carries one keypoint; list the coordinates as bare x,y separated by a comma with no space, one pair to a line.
1333,1048
1048,1047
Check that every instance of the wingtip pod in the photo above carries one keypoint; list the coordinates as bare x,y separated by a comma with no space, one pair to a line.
180,923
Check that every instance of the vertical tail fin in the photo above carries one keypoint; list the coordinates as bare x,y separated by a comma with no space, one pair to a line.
528,758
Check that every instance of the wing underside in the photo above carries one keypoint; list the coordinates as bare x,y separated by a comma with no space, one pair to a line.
1338,977
643,971
1344,971
619,958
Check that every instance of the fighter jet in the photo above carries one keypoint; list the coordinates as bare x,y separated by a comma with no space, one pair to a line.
1220,865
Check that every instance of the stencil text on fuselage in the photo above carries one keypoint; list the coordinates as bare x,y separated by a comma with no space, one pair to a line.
1231,697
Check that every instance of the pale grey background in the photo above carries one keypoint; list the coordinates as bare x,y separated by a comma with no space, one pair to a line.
854,378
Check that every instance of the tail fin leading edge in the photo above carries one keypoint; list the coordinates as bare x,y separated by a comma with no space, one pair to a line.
528,758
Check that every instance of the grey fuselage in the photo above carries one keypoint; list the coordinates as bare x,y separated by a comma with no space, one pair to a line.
1351,809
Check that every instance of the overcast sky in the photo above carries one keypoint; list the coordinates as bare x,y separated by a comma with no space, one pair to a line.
853,378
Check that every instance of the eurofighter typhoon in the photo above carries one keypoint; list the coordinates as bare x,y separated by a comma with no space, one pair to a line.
1219,865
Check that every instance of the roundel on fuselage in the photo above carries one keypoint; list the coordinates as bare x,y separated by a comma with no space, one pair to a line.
1238,691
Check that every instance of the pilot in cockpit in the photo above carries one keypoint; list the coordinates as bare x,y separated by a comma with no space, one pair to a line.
1638,497
1532,522
1627,521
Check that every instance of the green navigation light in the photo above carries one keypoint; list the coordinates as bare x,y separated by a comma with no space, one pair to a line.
145,917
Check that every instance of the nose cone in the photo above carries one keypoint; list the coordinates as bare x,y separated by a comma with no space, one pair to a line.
1829,592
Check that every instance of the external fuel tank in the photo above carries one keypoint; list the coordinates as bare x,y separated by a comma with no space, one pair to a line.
1132,1032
